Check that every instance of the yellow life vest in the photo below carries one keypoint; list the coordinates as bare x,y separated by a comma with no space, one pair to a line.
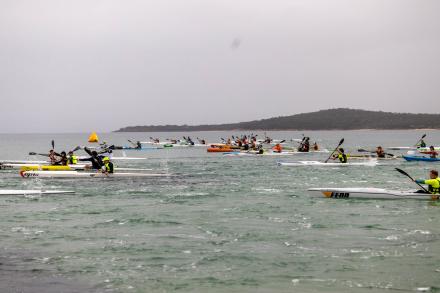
73,160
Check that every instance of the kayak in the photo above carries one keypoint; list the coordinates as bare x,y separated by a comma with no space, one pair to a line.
42,167
220,150
370,163
420,158
33,192
75,174
368,193
22,162
39,167
168,144
366,157
269,153
420,149
253,154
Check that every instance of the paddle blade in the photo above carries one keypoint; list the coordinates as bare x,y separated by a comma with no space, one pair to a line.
341,141
402,172
75,149
32,153
53,144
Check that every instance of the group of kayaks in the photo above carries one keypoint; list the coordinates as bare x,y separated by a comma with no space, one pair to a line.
266,147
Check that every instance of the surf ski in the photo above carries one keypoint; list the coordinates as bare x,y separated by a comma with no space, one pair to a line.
76,174
368,193
370,163
421,158
33,192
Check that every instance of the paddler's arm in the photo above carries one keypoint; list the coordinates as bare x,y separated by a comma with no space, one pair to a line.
428,182
87,150
85,159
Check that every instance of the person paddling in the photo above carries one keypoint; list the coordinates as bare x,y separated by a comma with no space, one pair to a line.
72,159
107,168
277,148
341,156
432,153
94,158
53,157
63,160
433,183
305,145
380,152
422,144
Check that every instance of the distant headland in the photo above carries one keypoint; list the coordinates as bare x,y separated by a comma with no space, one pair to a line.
331,119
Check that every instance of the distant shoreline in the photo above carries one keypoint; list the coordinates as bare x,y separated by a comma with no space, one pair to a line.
331,119
267,130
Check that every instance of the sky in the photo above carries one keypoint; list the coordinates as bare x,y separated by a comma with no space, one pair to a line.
83,65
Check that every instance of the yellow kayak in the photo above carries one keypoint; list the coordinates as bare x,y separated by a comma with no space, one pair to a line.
46,168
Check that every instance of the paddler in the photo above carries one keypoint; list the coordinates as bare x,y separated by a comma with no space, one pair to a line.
107,168
432,153
305,145
72,158
433,183
341,156
277,148
380,152
94,158
63,160
422,144
53,157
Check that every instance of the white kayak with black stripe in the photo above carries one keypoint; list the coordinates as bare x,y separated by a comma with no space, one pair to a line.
76,174
368,193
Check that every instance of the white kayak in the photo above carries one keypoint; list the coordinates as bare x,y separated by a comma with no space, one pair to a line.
23,162
270,153
75,167
420,149
367,193
76,174
370,163
33,192
126,158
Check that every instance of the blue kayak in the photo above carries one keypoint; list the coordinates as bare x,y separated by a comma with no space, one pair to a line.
420,158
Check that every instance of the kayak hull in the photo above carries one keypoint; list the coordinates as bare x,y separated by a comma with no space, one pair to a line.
75,167
75,174
420,158
370,163
368,193
34,192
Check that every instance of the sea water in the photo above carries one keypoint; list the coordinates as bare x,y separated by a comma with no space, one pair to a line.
219,224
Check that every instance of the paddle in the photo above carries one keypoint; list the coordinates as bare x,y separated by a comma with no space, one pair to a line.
412,179
336,148
423,136
53,144
134,144
75,149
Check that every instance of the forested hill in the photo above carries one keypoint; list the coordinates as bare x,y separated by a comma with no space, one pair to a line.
322,120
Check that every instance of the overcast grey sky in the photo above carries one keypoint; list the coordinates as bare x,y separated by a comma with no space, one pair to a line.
82,65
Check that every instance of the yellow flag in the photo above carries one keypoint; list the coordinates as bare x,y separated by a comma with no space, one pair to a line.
93,137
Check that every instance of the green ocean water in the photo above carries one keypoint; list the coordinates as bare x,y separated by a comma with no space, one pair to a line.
220,224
